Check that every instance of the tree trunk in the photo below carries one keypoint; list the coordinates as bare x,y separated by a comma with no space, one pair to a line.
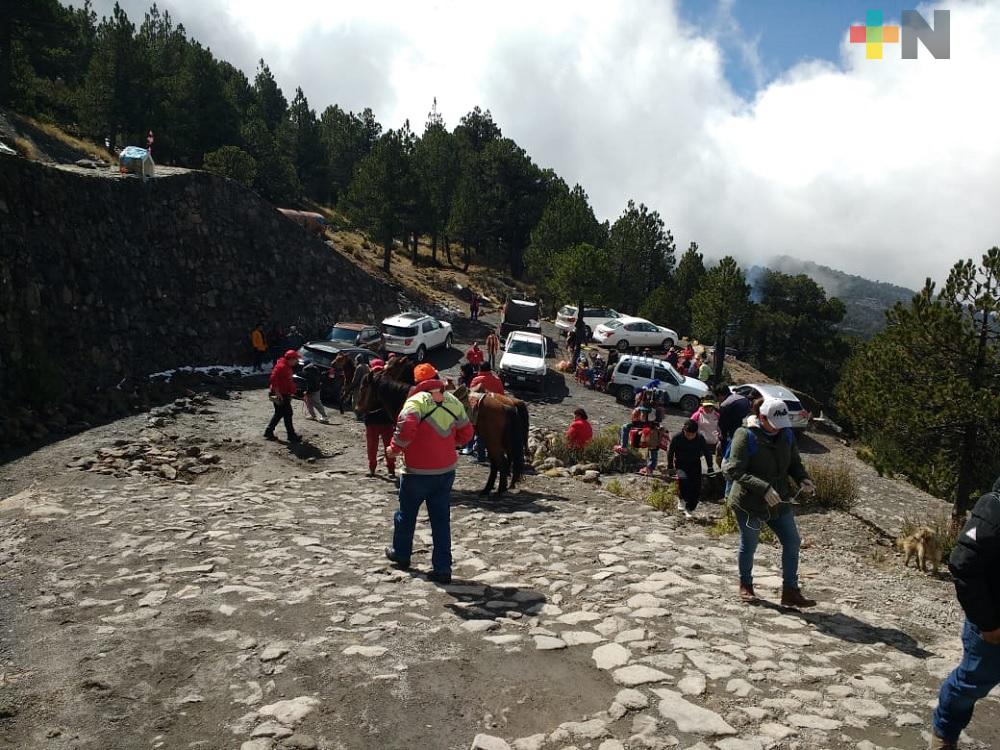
580,331
447,250
970,434
387,256
6,57
413,249
434,248
720,355
466,257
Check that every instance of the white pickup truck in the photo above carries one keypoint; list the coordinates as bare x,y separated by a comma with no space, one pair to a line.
523,362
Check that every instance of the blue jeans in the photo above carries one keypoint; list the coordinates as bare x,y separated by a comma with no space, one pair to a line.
788,534
973,678
654,454
414,490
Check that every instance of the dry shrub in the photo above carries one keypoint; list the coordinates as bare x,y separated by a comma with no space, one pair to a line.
599,451
25,148
940,524
836,487
662,497
615,487
727,525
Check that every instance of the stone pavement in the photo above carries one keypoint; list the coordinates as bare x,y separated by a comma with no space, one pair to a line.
262,615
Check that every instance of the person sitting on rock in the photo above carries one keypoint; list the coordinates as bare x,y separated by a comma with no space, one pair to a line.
580,431
430,426
760,460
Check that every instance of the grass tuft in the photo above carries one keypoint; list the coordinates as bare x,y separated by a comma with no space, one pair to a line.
836,487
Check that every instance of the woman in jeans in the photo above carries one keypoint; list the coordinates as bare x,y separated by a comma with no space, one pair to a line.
762,457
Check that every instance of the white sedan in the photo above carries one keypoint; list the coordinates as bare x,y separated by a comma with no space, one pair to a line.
627,333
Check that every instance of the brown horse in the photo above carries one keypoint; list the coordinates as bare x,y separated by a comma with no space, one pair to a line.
502,424
380,391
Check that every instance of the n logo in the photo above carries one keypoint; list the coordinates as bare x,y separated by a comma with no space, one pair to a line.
874,34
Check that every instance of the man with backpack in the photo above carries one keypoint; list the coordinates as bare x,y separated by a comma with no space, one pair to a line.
975,566
759,462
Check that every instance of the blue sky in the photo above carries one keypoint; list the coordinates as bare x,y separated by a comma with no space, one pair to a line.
782,32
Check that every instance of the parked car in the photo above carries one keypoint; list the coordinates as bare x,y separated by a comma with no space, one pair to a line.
415,333
799,415
592,317
344,335
520,315
627,333
323,354
523,361
634,372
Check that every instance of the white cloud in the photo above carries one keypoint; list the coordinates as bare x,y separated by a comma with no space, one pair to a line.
889,168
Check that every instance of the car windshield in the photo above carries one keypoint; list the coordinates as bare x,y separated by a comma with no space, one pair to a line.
527,348
569,312
793,405
342,334
613,324
316,355
400,331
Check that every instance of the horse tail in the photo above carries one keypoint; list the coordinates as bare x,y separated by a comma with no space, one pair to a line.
522,412
515,443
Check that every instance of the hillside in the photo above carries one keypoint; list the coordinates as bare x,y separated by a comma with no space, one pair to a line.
866,300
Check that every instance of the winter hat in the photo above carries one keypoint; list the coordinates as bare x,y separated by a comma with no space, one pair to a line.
424,372
291,354
376,365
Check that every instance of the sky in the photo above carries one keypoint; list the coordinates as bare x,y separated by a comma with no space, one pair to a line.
753,126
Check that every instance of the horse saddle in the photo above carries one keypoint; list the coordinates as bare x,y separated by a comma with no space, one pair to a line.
475,400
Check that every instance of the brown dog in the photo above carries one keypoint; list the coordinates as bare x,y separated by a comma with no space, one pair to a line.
923,545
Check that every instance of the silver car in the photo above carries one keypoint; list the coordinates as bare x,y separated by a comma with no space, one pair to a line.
798,414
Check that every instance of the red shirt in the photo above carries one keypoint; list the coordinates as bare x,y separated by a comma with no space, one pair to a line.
489,381
281,378
474,356
579,433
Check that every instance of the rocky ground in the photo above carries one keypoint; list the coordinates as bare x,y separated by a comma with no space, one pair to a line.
249,606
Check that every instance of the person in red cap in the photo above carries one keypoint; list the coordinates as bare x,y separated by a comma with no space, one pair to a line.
282,388
431,424
474,356
487,380
379,426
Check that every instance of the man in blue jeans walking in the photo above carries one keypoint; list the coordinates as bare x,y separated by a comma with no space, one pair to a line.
975,566
431,424
762,457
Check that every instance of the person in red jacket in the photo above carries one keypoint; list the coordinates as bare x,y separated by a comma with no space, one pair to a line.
488,380
431,424
580,432
474,356
282,388
379,426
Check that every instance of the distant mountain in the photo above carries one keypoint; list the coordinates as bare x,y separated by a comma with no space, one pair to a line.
866,300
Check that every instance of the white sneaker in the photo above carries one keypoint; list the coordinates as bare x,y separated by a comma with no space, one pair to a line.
324,420
688,514
680,504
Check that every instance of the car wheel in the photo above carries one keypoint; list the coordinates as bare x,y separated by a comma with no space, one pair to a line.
689,404
448,342
626,395
667,343
623,345
421,353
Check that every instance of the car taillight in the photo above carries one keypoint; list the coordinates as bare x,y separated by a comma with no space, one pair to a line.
804,414
605,334
571,320
407,342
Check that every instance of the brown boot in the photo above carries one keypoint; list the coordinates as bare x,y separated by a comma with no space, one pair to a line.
939,744
793,598
746,593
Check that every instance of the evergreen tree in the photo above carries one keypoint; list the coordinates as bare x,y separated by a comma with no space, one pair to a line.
115,74
308,150
719,305
670,302
580,274
436,166
642,255
232,162
376,200
924,394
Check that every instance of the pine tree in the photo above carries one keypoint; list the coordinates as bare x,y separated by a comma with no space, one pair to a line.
670,302
924,394
720,304
642,255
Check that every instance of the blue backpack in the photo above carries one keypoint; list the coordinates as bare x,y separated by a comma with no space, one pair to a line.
752,441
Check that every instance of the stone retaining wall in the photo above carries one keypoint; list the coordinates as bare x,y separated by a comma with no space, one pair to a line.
103,280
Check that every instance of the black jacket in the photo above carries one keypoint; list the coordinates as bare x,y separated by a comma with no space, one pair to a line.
732,412
975,563
686,454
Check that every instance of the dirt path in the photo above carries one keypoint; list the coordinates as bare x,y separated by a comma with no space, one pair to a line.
253,609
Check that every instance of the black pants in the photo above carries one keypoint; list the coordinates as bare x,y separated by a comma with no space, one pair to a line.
690,486
282,410
258,359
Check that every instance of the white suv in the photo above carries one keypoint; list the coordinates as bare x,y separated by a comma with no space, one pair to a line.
415,333
632,373
592,317
523,360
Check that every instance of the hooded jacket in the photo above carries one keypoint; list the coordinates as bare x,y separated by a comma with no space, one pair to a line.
708,424
489,381
975,563
774,459
580,433
281,378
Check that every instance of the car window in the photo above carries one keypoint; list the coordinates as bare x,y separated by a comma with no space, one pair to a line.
793,405
612,324
642,371
341,334
527,348
400,331
568,311
662,373
632,326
